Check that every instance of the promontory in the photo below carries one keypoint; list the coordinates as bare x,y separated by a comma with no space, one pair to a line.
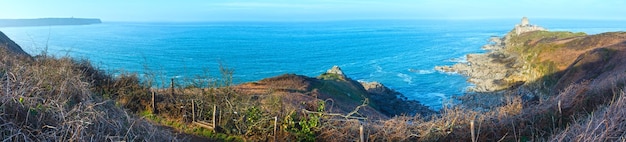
48,22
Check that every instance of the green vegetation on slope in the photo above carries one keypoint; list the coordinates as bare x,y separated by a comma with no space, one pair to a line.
529,47
61,99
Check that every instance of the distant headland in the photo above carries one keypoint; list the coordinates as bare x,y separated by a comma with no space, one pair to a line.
48,22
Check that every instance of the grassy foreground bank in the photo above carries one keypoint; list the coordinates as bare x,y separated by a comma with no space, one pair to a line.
63,99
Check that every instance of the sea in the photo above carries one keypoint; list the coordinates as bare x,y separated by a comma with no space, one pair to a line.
400,54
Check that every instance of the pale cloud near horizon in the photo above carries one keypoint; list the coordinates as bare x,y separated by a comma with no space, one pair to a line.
277,10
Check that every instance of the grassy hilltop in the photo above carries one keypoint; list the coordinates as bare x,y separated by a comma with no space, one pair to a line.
576,82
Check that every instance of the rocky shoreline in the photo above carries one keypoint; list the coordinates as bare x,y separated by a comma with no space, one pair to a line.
491,71
389,101
495,72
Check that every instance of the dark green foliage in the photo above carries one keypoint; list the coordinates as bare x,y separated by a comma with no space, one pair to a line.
304,126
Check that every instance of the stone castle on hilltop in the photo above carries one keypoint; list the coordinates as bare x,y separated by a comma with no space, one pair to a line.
525,26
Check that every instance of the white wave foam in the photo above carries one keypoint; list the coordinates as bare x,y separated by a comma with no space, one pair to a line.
406,78
448,73
438,95
379,69
462,59
422,71
443,99
362,80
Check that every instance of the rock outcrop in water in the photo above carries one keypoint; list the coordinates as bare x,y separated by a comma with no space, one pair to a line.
393,102
337,71
534,63
489,71
342,92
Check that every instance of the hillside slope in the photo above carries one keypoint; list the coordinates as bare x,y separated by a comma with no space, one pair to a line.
560,77
343,93
54,99
532,85
10,46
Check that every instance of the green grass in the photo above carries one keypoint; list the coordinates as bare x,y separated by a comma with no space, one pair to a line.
530,45
199,131
345,90
331,76
129,87
521,44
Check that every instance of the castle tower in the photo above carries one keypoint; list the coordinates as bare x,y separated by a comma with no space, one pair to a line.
524,22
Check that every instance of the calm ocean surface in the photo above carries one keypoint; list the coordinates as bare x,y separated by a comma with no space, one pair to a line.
398,53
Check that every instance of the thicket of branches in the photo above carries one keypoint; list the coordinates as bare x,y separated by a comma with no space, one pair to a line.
53,99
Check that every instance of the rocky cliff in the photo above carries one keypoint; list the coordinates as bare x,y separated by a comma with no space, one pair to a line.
10,46
532,62
342,94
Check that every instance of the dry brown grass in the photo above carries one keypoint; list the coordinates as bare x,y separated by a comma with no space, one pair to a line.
516,122
52,99
606,124
49,99
401,128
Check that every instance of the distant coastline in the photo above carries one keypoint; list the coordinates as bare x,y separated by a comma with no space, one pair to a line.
48,22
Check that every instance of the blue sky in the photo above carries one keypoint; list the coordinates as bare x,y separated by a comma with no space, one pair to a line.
311,10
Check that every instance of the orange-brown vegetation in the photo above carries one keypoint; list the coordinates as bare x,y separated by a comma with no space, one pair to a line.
54,99
61,99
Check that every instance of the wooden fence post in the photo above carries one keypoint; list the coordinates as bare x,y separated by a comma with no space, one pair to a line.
275,121
172,87
214,114
153,103
361,133
193,111
472,131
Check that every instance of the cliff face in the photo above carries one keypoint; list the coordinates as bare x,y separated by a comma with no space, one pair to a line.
532,62
558,78
9,45
342,95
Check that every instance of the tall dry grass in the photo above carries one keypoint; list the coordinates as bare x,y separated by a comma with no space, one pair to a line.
61,99
606,124
56,99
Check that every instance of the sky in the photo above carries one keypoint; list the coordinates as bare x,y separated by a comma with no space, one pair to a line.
311,10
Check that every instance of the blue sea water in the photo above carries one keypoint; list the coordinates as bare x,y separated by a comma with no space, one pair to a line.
398,53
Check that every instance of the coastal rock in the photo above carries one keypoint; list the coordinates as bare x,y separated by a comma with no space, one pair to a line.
495,43
489,71
346,94
486,71
9,45
375,87
394,103
337,71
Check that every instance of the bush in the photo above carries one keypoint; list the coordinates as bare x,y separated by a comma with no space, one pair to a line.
56,99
